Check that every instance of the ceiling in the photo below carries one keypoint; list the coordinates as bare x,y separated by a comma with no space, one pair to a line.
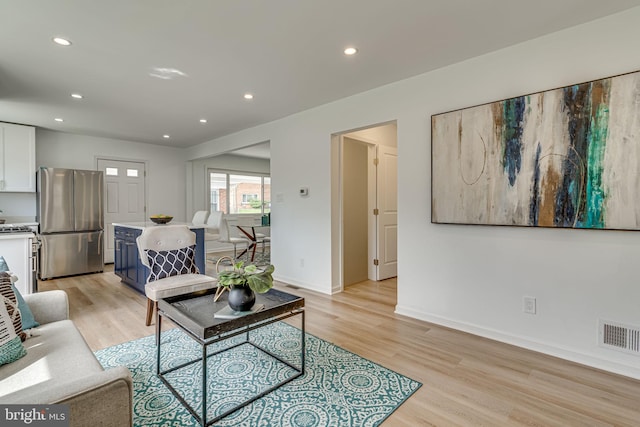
287,53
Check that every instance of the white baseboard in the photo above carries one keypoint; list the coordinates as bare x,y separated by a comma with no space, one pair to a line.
541,347
289,281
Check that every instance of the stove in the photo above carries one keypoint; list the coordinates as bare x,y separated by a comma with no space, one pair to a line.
11,228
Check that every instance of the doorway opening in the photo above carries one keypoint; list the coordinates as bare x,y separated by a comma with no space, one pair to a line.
365,215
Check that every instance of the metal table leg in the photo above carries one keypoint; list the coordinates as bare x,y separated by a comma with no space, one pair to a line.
202,418
204,386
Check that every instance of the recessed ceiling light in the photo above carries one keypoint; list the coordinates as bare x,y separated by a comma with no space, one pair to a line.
350,51
166,136
76,96
61,41
248,96
203,120
58,119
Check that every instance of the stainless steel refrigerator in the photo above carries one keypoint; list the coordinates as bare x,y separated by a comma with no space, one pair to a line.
71,218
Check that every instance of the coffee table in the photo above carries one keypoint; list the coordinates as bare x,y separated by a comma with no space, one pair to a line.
194,313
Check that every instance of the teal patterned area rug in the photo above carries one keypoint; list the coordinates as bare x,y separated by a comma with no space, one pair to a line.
339,388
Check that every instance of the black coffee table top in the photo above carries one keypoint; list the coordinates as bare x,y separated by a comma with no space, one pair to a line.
195,311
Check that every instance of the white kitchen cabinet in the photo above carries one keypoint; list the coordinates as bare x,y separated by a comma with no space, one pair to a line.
18,252
17,158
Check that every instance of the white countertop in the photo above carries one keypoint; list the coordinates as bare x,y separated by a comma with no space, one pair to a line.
14,236
146,224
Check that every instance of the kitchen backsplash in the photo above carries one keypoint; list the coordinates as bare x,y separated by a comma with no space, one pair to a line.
18,219
18,206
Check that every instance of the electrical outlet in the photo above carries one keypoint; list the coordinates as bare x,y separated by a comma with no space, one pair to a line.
529,305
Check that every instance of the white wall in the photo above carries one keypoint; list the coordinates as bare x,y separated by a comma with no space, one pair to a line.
468,277
165,165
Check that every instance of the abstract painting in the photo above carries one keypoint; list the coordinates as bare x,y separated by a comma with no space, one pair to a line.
567,157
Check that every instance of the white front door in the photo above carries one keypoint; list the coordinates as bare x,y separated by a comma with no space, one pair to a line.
124,197
387,218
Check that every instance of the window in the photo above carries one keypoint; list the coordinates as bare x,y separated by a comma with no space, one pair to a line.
132,173
215,201
238,194
248,198
111,171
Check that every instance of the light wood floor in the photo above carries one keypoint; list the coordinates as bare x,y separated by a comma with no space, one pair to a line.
467,380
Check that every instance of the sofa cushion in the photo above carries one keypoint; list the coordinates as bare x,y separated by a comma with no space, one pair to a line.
171,263
3,264
28,320
5,267
56,354
10,302
11,348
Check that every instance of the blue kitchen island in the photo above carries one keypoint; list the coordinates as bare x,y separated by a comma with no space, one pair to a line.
126,260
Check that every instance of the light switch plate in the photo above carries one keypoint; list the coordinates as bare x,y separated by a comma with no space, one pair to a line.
529,305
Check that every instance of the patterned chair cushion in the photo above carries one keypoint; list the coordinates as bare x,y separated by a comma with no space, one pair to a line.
171,263
10,304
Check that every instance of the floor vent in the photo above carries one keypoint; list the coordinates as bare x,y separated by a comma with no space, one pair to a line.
620,337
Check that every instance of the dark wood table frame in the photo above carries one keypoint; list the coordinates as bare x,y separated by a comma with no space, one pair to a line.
193,314
252,237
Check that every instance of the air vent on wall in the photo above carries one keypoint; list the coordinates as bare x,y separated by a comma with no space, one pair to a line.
619,336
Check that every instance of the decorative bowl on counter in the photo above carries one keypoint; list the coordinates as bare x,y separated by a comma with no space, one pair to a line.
161,219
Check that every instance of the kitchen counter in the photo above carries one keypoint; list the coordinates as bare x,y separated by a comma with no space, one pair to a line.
145,224
126,260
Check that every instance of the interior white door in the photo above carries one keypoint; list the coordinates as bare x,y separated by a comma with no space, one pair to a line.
124,197
387,218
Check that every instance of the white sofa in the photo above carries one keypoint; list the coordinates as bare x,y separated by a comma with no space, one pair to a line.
61,368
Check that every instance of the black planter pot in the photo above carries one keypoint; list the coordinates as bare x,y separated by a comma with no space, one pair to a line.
241,298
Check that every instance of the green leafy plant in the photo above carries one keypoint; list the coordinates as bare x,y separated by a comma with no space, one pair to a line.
259,280
255,203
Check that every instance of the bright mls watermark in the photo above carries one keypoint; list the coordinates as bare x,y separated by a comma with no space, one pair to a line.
34,415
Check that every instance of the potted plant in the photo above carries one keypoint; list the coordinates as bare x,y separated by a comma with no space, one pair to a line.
242,282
